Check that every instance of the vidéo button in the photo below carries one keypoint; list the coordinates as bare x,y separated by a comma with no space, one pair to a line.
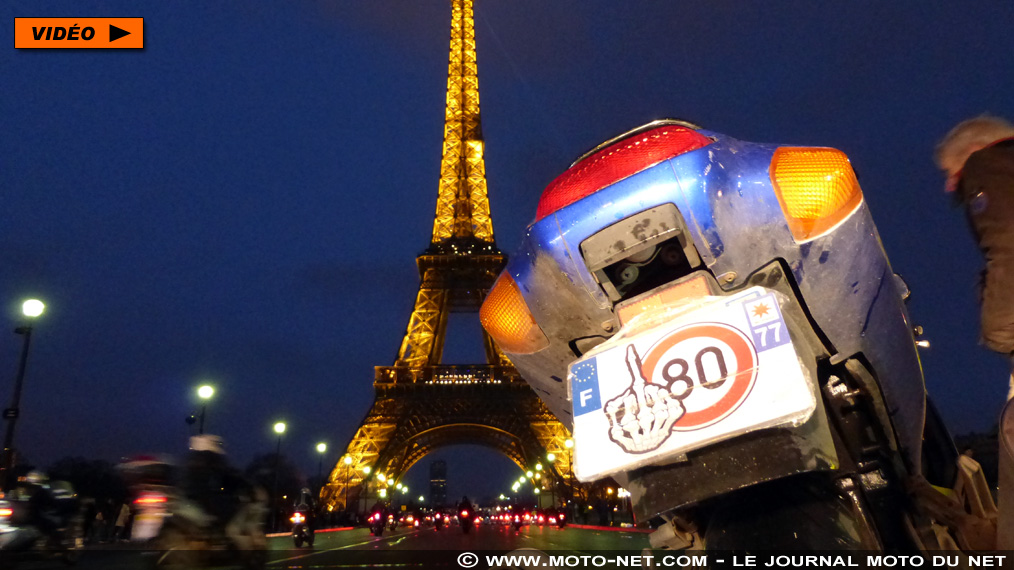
79,33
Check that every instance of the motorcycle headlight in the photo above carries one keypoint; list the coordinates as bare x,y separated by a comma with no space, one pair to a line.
816,188
505,316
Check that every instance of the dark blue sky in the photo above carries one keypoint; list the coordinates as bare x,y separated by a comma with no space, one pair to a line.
242,201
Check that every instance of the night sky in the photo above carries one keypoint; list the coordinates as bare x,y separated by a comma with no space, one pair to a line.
242,201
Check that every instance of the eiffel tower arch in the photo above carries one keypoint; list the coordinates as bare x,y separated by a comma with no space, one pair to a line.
420,403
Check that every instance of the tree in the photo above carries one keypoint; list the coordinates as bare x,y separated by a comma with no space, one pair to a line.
91,478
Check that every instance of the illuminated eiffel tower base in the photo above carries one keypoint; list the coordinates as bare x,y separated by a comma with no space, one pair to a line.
421,404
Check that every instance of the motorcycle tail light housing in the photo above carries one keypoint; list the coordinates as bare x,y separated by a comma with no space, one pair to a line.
505,316
657,299
6,512
617,161
816,188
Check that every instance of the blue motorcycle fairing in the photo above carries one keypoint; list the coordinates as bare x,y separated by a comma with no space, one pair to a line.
734,219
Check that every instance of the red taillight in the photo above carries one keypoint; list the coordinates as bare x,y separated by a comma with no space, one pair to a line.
562,516
616,162
297,518
6,512
464,513
149,500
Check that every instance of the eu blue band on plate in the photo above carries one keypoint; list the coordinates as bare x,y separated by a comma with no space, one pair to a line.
584,387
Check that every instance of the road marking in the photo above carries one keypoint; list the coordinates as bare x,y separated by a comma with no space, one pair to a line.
307,555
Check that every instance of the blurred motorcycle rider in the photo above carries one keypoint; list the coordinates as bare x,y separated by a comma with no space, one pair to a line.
220,490
41,504
306,504
379,507
978,157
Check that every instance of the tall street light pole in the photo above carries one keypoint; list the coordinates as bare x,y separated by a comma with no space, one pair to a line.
366,488
569,444
321,449
551,457
348,479
279,429
31,309
204,393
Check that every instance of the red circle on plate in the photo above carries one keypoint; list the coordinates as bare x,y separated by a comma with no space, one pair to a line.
742,378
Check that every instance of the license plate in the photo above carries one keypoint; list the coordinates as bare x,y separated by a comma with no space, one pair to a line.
146,526
695,374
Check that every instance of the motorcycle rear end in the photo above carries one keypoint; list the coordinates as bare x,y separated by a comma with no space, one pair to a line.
189,539
23,538
718,323
301,531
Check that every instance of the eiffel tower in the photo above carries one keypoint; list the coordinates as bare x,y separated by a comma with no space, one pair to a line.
421,404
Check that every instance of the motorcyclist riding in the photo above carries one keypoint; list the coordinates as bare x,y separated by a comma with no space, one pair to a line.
306,504
378,518
42,505
466,514
219,489
42,516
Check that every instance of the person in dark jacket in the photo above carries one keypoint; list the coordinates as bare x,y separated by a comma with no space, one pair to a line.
221,491
978,157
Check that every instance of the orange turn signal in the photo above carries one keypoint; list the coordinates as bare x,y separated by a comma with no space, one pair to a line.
505,316
816,188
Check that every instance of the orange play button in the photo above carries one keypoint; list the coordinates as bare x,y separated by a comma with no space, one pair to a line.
79,33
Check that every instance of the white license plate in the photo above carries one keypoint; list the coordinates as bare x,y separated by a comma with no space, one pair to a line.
146,526
700,373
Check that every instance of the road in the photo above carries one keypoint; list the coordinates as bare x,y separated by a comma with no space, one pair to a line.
403,548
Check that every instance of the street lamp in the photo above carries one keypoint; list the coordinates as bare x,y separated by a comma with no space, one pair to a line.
31,309
279,429
204,393
321,449
569,444
348,479
551,457
366,486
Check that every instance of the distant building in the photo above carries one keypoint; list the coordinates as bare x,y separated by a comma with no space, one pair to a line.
438,483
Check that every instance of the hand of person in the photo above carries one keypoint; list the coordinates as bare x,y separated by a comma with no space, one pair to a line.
642,416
